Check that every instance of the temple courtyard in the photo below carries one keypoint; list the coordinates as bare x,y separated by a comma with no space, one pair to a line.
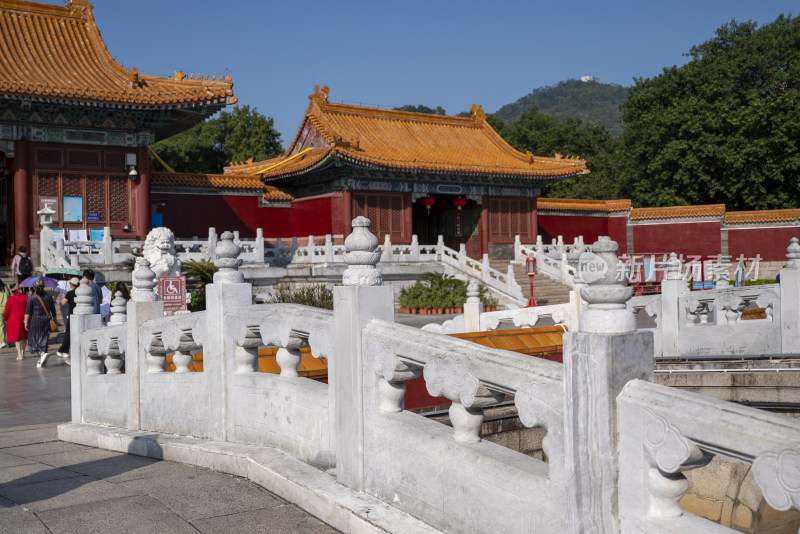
47,485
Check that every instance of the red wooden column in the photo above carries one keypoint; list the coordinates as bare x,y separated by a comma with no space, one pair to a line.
534,220
22,195
141,194
408,218
484,225
347,211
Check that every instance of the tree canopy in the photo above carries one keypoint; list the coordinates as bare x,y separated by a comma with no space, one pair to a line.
237,135
545,135
438,110
724,127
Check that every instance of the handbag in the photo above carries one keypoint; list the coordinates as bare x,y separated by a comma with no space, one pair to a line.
53,323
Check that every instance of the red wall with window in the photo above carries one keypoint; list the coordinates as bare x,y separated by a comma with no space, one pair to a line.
190,215
389,214
509,217
688,239
770,243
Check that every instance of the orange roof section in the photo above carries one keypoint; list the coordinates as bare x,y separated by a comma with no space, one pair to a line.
401,140
574,204
670,212
242,182
765,216
57,52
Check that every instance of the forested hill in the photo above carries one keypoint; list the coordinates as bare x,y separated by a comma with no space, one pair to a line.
588,101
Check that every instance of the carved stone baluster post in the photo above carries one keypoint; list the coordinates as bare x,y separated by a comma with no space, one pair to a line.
360,299
472,309
112,348
181,341
119,310
142,307
82,320
672,287
414,248
790,300
219,351
248,339
599,360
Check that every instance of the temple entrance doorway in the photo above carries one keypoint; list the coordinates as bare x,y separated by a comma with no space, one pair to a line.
457,223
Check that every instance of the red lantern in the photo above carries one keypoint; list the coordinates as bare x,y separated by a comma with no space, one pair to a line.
428,202
459,203
530,268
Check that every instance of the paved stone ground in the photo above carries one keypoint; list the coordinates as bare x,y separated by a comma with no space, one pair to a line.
48,485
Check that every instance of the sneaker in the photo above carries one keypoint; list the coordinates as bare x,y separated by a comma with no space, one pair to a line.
42,359
68,362
63,354
3,344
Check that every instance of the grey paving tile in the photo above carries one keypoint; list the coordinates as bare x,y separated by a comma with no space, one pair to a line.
40,449
64,492
48,426
76,457
7,460
127,467
17,519
31,474
285,519
140,514
206,495
28,437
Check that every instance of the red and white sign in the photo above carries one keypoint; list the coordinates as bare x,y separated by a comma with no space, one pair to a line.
172,292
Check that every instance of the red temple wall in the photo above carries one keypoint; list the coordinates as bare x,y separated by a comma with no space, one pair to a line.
570,227
770,243
192,215
314,216
618,231
688,239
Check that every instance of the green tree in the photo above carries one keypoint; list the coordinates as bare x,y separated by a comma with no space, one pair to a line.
545,135
724,127
438,110
237,135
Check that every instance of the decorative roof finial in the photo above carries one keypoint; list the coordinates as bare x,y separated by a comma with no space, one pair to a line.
361,256
605,292
228,261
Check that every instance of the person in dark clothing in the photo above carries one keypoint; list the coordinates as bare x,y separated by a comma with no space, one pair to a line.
38,312
122,287
97,291
22,266
68,300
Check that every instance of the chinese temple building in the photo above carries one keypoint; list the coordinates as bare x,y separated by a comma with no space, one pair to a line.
409,173
75,125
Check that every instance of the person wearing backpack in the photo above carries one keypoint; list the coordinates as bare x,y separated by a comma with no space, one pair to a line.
22,265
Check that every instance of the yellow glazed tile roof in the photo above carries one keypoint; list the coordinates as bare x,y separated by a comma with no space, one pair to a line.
402,140
670,212
57,52
246,182
572,204
764,216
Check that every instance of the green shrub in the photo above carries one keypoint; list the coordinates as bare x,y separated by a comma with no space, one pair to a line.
437,290
318,296
201,273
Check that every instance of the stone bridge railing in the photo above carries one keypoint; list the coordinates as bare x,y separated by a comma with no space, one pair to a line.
615,443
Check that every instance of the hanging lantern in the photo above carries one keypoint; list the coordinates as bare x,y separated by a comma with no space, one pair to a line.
428,202
459,203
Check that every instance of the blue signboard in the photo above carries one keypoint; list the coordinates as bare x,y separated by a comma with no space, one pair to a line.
92,216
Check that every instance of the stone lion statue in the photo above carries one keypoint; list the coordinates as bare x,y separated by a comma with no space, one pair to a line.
159,250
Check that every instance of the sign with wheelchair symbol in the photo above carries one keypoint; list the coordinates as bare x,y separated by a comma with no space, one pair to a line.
172,292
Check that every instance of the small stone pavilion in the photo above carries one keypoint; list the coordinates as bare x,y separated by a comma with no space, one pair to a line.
409,173
75,125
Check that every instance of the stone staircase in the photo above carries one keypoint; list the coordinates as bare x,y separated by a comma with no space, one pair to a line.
545,289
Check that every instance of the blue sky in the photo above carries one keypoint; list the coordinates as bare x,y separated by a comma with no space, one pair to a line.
437,53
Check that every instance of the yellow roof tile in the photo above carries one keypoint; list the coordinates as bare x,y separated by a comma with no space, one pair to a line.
247,182
763,216
57,52
669,212
573,204
401,140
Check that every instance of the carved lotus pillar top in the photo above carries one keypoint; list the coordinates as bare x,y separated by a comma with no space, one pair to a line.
361,256
84,299
793,255
228,261
605,292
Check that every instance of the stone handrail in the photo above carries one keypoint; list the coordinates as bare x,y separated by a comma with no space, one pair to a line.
520,317
104,346
665,432
179,334
471,376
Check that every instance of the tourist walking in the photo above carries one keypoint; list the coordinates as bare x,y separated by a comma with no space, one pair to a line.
22,265
39,311
14,315
68,300
5,294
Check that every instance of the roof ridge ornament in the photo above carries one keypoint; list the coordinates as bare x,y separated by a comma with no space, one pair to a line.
478,116
320,94
79,7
